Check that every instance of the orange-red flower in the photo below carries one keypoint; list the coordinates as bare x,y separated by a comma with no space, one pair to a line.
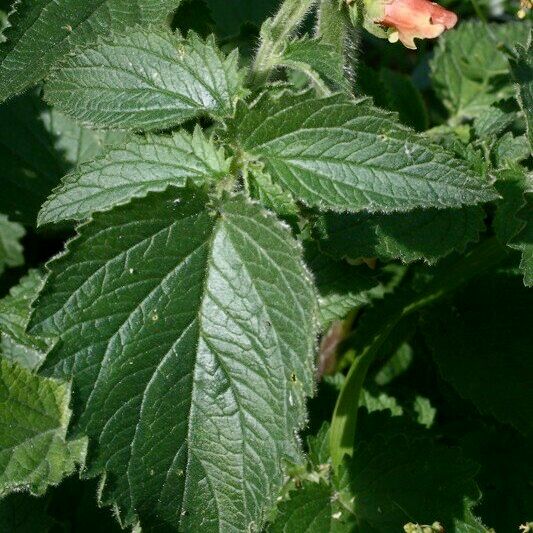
415,19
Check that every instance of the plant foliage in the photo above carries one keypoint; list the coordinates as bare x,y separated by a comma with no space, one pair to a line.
263,271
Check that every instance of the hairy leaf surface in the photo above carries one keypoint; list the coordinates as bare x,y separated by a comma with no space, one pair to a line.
340,154
470,69
312,509
148,79
418,235
319,61
11,252
43,31
34,415
15,344
522,69
188,332
141,165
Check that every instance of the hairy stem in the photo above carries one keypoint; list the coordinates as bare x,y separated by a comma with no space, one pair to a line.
335,29
343,425
274,35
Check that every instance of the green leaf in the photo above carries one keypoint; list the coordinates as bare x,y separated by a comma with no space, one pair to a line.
69,507
319,61
398,475
22,513
231,15
402,96
141,165
44,31
177,326
34,416
340,154
512,184
509,149
403,478
522,70
491,121
505,474
270,194
11,251
15,344
37,147
425,412
470,70
148,79
419,235
311,509
491,367
341,287
524,240
75,143
373,401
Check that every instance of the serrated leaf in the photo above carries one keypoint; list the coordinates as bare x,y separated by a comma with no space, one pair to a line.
470,71
512,184
37,147
75,143
319,61
397,475
43,31
177,327
491,121
524,240
148,79
34,415
522,70
311,509
374,401
343,155
418,235
11,251
398,479
341,287
270,194
15,344
509,150
141,165
492,367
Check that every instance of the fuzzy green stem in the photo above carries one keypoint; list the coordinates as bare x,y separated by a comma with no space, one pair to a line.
335,29
331,24
274,35
343,425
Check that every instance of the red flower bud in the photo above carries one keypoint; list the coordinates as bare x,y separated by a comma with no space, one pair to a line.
416,19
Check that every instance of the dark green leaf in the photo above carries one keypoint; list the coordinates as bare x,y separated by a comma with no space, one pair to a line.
15,344
522,69
43,31
188,331
34,415
148,79
38,146
482,345
339,154
320,62
11,251
141,165
470,70
418,235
